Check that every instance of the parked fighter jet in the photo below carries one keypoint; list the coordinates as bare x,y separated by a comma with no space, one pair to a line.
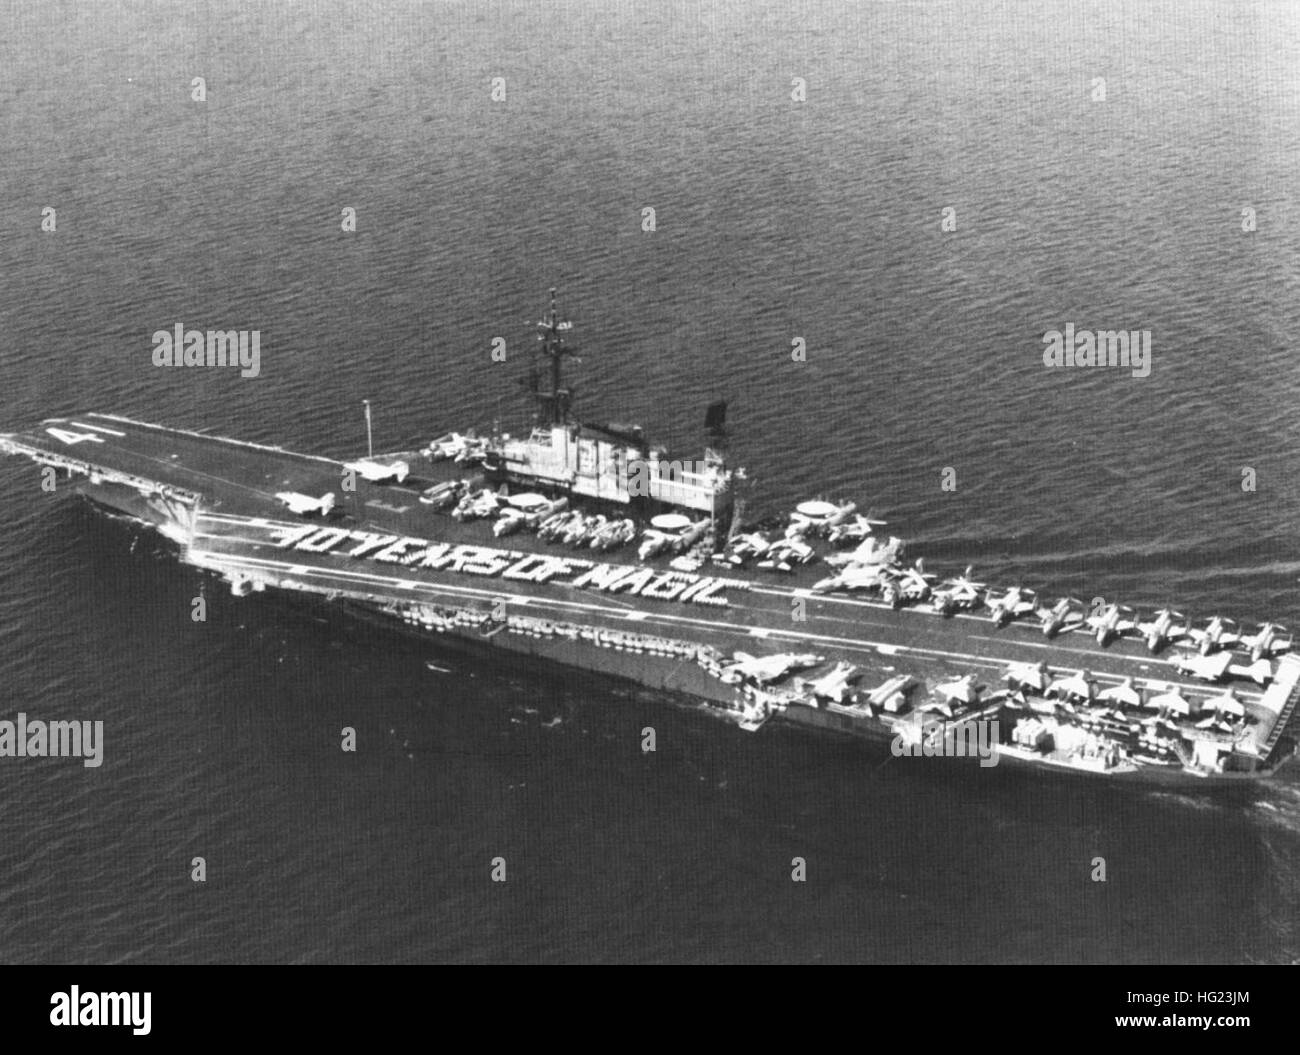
378,472
743,547
458,447
1219,633
892,693
510,521
784,554
556,526
963,690
1161,631
691,535
854,530
444,495
1111,622
1267,641
840,515
614,534
480,504
763,669
871,551
1171,700
1031,677
1226,703
915,583
1017,601
306,505
1077,686
654,542
526,511
961,592
856,577
1125,694
1064,615
835,684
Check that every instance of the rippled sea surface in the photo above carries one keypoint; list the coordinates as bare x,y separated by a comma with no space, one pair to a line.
775,220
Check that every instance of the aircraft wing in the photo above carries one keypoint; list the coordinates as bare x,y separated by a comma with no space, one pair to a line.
1259,672
1209,667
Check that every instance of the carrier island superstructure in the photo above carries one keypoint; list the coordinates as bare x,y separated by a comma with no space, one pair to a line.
584,545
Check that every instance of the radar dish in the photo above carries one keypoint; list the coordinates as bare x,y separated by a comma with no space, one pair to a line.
527,501
816,510
670,522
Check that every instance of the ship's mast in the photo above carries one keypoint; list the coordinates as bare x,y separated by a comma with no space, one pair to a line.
553,405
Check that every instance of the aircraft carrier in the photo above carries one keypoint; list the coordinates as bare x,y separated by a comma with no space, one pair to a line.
585,545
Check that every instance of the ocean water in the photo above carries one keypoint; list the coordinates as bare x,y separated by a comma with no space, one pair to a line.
775,219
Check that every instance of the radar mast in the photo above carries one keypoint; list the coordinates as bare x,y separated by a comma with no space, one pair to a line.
553,404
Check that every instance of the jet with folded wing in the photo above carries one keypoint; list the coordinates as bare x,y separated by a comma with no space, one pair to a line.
854,530
1064,615
785,553
458,447
1162,631
745,547
1111,622
1267,641
915,583
1017,601
961,592
655,542
1218,633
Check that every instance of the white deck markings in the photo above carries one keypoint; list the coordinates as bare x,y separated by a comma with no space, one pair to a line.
1157,678
98,428
216,560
